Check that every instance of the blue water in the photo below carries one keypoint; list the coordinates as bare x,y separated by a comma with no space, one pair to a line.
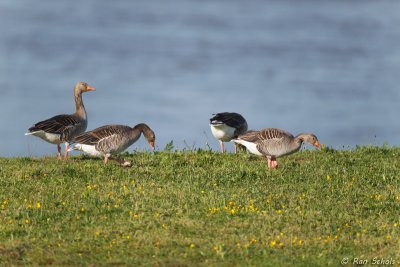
328,67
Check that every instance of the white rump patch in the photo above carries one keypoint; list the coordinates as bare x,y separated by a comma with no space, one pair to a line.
48,137
88,149
251,147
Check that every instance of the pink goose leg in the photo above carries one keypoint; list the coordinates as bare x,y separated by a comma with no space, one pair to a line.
66,152
59,152
222,146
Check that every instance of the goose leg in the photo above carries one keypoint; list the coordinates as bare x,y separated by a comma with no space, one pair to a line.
236,148
106,159
66,151
59,152
269,163
222,146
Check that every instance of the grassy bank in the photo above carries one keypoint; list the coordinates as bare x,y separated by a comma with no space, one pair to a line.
202,208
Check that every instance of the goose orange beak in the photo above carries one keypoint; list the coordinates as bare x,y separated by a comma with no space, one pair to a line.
317,144
90,88
151,145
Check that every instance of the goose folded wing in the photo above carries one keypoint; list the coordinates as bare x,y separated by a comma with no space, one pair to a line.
56,125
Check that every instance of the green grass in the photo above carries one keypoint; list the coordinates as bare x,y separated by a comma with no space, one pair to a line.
201,208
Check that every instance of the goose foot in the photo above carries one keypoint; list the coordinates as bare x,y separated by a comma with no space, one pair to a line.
125,164
272,164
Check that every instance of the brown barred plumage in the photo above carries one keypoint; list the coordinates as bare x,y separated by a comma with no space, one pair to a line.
273,143
63,128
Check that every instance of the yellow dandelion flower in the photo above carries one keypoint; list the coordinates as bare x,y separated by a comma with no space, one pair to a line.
328,178
135,215
253,241
26,221
272,243
192,246
214,210
29,206
82,209
388,236
38,205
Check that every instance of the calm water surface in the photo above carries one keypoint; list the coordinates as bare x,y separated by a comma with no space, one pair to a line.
330,67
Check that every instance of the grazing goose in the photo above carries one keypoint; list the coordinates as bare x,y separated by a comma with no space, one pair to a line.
63,128
110,140
227,125
274,143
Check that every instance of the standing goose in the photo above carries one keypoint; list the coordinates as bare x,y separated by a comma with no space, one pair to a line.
274,143
227,125
63,128
110,140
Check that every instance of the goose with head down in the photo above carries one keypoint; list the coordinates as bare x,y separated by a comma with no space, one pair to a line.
227,125
273,143
63,128
110,140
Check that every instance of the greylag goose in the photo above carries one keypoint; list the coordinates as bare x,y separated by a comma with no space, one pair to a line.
110,140
273,143
63,128
227,125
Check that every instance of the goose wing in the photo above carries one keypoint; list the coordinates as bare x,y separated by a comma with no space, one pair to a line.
57,125
269,141
107,138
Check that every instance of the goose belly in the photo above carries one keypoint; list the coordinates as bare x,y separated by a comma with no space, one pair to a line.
251,147
222,132
88,149
123,146
48,137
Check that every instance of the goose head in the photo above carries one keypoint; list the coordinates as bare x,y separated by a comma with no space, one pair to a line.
147,132
311,139
150,137
82,87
